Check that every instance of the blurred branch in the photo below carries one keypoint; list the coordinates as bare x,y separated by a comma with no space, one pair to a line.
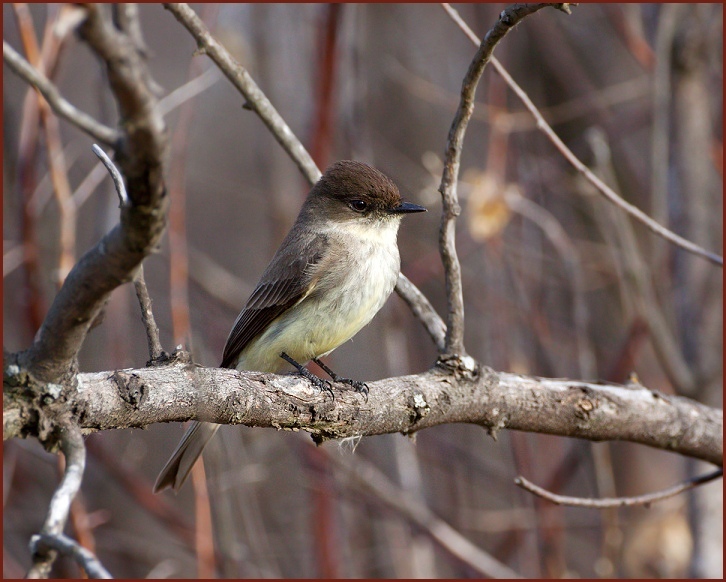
494,400
668,18
557,235
60,106
638,280
601,187
617,501
519,121
51,127
370,479
245,84
508,18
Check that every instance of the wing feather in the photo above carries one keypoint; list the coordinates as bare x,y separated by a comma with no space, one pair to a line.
274,295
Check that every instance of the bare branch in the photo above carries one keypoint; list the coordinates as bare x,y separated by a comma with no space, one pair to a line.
147,315
508,18
423,310
85,558
241,79
367,477
617,501
60,106
115,259
118,181
74,450
189,90
601,187
156,352
494,400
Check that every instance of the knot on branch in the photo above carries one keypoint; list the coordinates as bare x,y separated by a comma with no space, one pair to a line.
32,407
461,366
178,356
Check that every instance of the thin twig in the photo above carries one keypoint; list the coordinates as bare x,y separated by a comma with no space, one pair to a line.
557,235
636,280
85,558
156,352
118,181
116,258
188,90
51,127
601,187
423,310
60,106
71,442
241,79
617,501
508,18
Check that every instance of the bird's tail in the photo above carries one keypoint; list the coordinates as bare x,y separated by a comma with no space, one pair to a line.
187,452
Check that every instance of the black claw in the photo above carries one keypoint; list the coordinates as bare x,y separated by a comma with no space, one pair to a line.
322,385
360,387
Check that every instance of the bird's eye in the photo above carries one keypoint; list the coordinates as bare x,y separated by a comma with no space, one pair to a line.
358,205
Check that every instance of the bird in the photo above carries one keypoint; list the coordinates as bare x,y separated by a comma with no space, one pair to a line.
331,274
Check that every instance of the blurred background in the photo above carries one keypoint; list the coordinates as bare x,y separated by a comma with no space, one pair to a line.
556,282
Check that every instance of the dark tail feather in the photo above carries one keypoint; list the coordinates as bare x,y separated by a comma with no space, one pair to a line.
187,452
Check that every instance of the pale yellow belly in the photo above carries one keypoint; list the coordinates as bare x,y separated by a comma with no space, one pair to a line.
328,317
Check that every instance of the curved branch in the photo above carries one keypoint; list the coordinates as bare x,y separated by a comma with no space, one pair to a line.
74,450
494,400
646,499
115,259
68,547
508,19
599,185
423,310
58,104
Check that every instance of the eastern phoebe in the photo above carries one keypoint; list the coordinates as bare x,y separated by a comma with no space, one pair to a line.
330,276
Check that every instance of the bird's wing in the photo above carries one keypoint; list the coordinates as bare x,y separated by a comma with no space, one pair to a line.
274,294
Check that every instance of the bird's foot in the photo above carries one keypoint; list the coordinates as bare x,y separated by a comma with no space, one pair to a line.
358,386
322,385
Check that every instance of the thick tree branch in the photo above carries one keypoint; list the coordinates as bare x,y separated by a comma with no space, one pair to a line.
115,259
494,400
599,185
508,19
58,104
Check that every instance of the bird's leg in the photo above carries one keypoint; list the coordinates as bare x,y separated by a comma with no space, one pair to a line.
357,385
323,385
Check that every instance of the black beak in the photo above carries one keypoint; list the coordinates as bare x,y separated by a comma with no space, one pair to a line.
407,208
